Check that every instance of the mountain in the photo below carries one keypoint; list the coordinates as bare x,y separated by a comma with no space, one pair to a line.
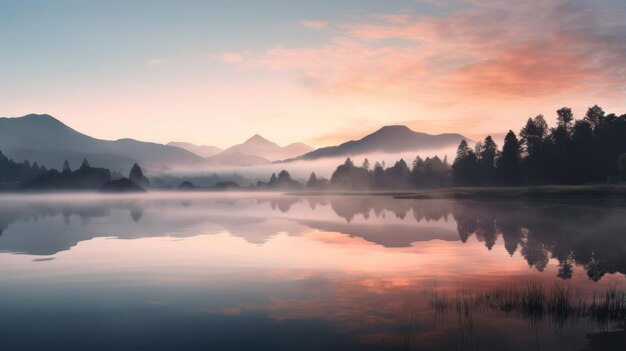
48,141
296,149
258,150
388,139
200,150
235,158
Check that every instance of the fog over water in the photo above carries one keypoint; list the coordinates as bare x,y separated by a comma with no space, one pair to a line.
271,271
301,169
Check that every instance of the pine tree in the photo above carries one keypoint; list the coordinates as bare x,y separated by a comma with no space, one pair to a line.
137,176
595,116
366,165
272,179
313,181
508,162
465,166
565,117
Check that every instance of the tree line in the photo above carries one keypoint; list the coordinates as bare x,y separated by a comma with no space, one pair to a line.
587,150
13,173
24,176
423,173
591,149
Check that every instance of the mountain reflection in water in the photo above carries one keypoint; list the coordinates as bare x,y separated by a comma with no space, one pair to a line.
265,271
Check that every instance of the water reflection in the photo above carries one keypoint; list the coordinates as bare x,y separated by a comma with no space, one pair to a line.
572,234
261,271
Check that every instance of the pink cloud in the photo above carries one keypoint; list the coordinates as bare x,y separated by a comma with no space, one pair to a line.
490,49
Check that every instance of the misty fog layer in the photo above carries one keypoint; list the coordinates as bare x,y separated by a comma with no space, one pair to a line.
301,169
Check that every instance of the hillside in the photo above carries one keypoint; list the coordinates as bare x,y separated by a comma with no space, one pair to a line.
388,139
48,141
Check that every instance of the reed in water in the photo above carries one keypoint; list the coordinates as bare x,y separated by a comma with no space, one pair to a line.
535,302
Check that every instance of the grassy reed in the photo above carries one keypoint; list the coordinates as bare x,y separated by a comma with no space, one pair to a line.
534,302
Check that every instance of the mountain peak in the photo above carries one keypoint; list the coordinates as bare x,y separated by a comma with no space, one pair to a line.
395,128
34,119
388,139
37,115
392,132
260,147
40,117
257,138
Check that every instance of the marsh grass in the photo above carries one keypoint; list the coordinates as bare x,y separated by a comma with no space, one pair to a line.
535,303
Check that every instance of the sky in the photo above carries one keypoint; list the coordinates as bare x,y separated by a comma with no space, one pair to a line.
320,72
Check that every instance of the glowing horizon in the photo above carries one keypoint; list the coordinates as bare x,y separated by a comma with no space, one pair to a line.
216,73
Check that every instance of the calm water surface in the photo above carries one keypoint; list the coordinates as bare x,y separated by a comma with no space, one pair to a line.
274,272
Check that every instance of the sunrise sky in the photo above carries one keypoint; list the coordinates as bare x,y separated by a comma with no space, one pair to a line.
321,72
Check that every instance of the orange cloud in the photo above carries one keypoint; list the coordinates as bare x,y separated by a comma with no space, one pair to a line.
489,49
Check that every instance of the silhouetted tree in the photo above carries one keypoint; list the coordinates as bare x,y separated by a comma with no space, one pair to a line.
136,175
565,117
583,152
366,165
532,138
595,116
609,141
465,167
347,176
85,164
312,182
509,160
558,165
379,176
66,166
12,174
417,172
284,176
570,153
282,181
487,160
573,152
397,177
272,180
84,178
434,173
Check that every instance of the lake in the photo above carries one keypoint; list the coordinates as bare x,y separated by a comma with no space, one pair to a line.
256,271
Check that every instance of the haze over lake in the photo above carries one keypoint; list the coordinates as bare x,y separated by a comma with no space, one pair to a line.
265,271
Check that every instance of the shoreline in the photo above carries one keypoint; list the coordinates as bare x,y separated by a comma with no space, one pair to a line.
544,192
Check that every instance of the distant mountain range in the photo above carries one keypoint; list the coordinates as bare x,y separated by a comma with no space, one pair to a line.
200,150
255,151
262,149
235,158
48,141
388,139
